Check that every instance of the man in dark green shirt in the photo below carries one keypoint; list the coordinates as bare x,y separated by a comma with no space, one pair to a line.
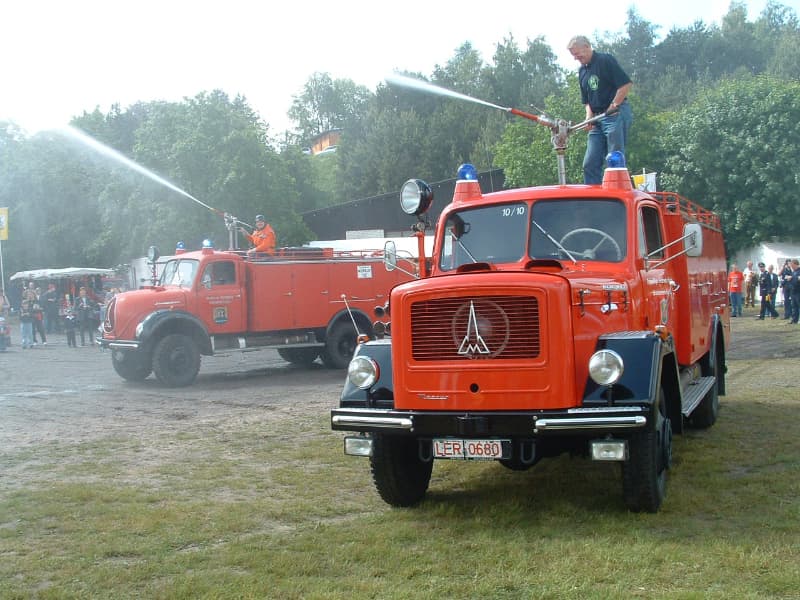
604,89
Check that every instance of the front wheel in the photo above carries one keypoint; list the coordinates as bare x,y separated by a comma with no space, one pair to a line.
130,365
400,475
176,360
644,474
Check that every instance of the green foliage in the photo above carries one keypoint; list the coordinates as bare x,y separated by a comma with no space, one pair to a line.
526,152
635,51
380,157
735,150
327,104
50,190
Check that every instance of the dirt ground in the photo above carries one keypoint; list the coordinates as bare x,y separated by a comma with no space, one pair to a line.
57,394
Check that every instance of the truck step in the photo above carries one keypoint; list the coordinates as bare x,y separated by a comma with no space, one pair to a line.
694,394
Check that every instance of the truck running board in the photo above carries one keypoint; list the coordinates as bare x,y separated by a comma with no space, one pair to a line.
694,394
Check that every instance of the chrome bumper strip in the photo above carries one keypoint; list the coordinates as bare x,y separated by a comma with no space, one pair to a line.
388,422
121,344
590,423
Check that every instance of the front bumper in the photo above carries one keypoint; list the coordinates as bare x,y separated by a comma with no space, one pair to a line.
121,344
491,424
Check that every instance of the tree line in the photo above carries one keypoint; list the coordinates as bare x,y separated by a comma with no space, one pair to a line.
717,115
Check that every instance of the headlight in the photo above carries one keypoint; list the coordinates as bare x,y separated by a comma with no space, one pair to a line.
363,372
605,367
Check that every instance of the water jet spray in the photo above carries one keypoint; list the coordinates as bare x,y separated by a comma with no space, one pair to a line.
231,222
560,129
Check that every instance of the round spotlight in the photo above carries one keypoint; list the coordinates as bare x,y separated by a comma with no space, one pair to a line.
416,197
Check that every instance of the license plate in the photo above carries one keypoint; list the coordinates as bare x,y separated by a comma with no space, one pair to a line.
461,449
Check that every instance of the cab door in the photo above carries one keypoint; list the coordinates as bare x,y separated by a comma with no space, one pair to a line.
658,287
220,298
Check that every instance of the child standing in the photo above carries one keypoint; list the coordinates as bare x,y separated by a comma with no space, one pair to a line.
70,323
26,324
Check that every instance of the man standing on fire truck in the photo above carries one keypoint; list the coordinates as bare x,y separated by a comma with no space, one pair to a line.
262,238
604,89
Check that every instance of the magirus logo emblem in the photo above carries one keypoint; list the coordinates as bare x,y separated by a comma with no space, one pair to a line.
487,327
473,342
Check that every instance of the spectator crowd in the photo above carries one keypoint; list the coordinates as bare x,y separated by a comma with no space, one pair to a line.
770,287
71,307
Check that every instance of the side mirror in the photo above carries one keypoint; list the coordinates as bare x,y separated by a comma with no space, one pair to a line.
153,254
693,239
390,256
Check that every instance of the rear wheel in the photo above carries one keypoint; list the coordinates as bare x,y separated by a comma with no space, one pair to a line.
400,476
340,346
130,365
176,360
644,474
299,356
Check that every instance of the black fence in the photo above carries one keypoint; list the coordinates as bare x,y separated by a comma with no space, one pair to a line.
383,212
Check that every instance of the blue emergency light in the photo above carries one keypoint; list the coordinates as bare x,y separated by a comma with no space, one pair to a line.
615,160
467,172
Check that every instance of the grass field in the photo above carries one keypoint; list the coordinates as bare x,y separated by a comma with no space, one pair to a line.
237,513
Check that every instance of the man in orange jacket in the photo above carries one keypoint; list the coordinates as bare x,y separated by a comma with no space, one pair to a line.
735,282
262,238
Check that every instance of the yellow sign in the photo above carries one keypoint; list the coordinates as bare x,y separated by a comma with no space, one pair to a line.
3,223
645,182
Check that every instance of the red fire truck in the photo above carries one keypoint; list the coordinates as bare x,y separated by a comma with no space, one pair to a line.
568,318
305,302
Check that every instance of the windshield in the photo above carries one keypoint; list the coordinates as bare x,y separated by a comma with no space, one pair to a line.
491,234
586,229
562,229
179,272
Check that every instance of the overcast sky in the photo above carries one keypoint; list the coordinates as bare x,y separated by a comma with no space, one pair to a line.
60,58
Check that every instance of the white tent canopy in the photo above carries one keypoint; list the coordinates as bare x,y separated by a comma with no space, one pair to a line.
770,253
37,274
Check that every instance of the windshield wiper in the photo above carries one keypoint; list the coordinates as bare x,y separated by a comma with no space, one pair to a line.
555,242
462,246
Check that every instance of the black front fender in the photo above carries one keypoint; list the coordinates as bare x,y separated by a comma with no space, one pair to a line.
381,394
163,322
643,355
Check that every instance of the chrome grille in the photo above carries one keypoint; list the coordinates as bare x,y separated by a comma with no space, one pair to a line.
503,327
